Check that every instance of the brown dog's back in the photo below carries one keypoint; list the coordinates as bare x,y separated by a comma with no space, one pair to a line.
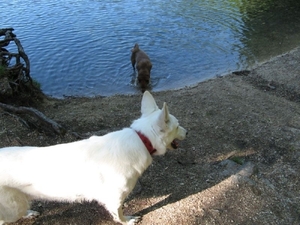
141,61
138,55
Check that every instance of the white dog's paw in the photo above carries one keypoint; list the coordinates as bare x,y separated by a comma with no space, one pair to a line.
31,214
132,220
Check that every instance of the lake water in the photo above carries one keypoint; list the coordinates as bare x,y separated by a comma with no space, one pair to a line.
82,48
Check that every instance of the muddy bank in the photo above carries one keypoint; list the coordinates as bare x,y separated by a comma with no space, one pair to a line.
239,164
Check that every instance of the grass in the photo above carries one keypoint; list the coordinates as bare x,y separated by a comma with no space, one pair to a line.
2,70
238,159
36,84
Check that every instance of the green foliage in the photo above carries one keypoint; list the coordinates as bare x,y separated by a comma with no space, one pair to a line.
238,159
2,71
36,84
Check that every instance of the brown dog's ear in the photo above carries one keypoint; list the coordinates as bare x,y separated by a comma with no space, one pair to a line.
140,65
150,66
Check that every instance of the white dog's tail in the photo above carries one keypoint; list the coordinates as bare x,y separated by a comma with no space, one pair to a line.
13,204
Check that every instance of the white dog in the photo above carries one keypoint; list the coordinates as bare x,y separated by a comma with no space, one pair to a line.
104,168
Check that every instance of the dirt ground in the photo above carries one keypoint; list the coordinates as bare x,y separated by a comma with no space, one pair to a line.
240,163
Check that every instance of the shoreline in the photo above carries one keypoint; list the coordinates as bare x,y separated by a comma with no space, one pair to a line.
238,73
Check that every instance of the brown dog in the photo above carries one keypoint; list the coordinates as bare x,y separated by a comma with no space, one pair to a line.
143,66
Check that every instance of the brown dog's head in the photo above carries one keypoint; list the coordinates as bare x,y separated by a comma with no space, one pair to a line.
143,79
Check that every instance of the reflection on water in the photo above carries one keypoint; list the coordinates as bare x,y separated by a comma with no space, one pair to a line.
272,28
83,47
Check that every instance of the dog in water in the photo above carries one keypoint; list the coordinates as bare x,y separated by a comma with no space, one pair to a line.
102,168
141,61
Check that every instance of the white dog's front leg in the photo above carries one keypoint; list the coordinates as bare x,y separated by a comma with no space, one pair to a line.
125,220
131,220
31,213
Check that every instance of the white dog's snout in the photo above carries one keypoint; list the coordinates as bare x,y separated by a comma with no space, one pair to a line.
182,133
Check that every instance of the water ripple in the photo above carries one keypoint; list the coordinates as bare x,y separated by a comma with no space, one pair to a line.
83,47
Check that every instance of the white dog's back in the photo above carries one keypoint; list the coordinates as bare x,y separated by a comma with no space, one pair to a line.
67,171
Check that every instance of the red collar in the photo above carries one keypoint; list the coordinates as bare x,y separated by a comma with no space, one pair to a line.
146,142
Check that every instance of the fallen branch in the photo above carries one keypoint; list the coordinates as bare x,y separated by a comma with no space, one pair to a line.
58,129
22,121
6,41
4,30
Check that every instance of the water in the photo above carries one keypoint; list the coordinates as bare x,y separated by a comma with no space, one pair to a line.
82,48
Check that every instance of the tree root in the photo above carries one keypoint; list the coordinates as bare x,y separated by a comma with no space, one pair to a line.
46,122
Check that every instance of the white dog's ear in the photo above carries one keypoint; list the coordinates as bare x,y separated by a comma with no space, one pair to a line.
164,115
148,104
